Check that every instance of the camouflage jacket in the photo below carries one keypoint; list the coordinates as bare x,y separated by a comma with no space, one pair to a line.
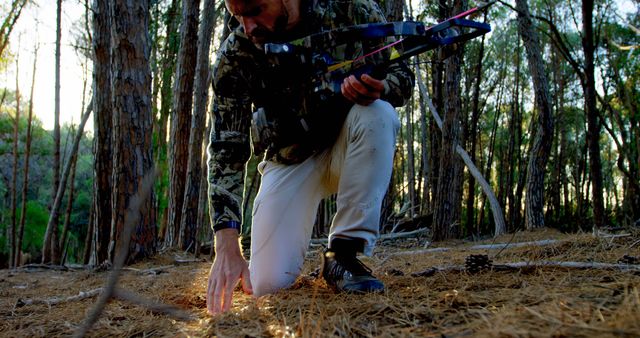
239,86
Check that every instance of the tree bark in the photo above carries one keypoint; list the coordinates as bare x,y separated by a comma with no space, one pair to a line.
448,196
181,117
541,148
27,154
132,127
67,217
50,247
593,126
189,221
103,127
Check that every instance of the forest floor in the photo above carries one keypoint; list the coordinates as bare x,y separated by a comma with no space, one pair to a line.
535,301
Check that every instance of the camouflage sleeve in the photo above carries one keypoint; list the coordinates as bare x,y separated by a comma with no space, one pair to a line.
229,147
398,85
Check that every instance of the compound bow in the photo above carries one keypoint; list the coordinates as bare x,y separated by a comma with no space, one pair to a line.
314,59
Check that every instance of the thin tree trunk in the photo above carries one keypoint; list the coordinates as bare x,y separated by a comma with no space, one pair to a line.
169,56
9,22
14,175
541,148
181,117
67,217
50,247
411,171
57,202
475,115
88,239
27,153
593,126
203,205
514,144
189,220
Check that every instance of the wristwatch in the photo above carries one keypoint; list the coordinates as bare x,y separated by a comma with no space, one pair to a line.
227,225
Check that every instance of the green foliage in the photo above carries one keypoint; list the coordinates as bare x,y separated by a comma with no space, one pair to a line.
39,192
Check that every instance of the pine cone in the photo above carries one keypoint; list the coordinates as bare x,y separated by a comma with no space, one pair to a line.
626,259
477,263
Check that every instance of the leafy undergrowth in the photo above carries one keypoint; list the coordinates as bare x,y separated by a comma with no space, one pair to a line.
532,302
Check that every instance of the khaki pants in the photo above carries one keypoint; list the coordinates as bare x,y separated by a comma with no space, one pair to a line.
357,168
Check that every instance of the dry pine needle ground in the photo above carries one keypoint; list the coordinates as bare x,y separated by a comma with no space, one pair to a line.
539,302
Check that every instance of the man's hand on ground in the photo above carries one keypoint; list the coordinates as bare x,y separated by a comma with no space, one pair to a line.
228,268
362,91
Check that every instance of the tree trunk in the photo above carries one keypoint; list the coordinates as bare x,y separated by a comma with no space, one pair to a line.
204,230
27,153
411,171
88,239
448,197
67,217
132,128
541,149
50,246
475,115
593,125
181,117
189,221
103,128
9,22
513,151
14,175
169,56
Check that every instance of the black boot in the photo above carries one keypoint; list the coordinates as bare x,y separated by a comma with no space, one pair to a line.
343,271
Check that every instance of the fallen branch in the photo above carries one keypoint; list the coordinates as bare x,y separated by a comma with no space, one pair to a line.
499,246
384,237
151,271
118,293
496,246
31,267
517,266
572,265
180,261
155,307
58,300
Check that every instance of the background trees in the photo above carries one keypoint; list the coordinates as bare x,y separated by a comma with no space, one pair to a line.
149,63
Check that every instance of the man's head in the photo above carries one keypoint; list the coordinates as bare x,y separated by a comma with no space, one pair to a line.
265,20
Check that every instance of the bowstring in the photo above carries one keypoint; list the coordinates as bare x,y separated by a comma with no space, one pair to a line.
339,65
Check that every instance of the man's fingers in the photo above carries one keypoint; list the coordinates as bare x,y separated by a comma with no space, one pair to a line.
376,85
228,296
210,288
360,92
217,297
246,281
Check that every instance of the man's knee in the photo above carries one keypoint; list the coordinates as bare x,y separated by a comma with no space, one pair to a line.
378,116
267,282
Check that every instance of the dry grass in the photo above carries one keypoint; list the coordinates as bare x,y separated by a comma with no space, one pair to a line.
543,302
